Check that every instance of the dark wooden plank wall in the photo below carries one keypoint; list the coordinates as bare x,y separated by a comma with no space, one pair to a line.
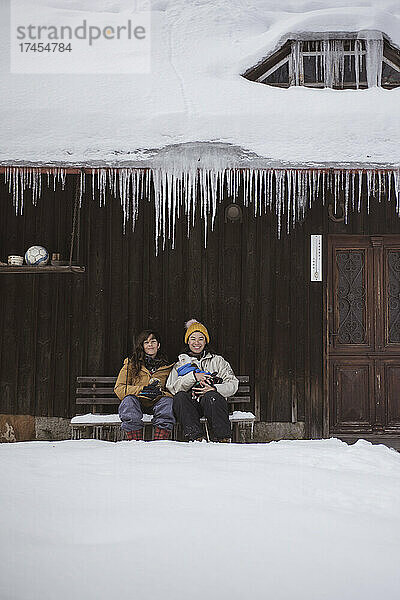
251,289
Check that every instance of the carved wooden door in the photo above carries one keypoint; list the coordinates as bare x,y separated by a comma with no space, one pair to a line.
364,334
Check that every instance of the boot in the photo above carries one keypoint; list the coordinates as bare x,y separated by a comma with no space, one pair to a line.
161,434
136,435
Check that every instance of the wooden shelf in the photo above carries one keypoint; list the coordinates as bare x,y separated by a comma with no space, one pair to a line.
41,270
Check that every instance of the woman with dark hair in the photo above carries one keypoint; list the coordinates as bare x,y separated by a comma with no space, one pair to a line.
201,381
141,388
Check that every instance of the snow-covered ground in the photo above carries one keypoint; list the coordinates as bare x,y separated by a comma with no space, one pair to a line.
311,520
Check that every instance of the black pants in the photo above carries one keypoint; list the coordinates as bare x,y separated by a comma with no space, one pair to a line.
212,405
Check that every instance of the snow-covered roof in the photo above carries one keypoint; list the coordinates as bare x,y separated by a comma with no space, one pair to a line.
195,94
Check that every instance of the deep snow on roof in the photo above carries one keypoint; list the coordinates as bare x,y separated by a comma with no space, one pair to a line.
195,92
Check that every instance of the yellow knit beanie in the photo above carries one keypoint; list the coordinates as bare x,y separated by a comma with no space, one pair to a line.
194,325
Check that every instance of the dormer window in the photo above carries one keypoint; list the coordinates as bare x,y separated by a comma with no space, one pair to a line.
333,60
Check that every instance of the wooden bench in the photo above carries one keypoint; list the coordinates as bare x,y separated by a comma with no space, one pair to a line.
98,392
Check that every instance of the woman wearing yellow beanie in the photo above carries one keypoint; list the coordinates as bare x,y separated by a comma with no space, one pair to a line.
201,381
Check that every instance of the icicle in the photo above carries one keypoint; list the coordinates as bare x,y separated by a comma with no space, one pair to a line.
396,179
295,63
251,186
309,188
215,175
140,180
380,185
288,176
81,187
236,184
359,190
264,185
333,55
93,173
125,193
272,189
346,197
279,202
299,193
373,62
353,187
302,198
357,61
256,175
294,198
336,191
373,174
16,190
369,184
102,185
175,208
313,178
157,202
36,185
261,189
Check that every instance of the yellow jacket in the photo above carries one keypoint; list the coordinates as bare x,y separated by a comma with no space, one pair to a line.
126,385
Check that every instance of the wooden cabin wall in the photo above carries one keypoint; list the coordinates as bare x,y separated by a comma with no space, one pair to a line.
252,290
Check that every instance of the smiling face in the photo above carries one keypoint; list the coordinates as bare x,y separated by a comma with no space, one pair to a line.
197,342
151,346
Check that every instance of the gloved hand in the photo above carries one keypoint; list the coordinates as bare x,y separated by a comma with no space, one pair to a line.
198,387
151,391
212,379
187,368
152,385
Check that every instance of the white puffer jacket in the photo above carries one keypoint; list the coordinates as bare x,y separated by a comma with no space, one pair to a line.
210,362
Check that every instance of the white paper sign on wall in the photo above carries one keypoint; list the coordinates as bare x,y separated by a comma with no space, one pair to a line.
316,258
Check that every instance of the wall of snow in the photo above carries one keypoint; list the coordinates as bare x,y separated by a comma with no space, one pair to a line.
194,92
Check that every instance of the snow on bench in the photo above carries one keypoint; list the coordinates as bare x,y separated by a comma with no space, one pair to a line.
93,419
99,391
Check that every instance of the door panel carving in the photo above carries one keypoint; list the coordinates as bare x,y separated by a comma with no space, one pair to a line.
393,296
364,327
352,381
351,297
392,393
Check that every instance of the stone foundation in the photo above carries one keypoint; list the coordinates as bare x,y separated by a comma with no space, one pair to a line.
17,428
269,432
22,428
25,428
52,428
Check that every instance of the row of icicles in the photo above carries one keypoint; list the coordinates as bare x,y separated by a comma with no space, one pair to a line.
286,192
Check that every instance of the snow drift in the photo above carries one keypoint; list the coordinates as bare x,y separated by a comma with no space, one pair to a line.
93,520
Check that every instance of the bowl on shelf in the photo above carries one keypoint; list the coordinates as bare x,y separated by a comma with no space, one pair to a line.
15,261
